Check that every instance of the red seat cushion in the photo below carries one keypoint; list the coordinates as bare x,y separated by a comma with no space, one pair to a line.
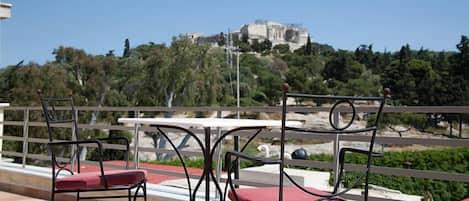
271,193
92,179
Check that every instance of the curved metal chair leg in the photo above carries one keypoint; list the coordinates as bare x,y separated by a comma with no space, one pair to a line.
129,195
136,192
142,185
145,191
78,196
366,186
52,196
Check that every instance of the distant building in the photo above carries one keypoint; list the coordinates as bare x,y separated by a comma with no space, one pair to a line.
5,10
277,33
194,36
260,30
200,38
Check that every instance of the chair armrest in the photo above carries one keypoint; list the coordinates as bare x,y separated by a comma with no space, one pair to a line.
114,139
242,155
341,167
127,143
77,142
360,151
127,146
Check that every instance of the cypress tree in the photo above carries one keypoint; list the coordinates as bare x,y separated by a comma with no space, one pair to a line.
308,48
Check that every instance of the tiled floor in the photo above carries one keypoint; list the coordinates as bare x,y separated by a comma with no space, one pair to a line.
15,197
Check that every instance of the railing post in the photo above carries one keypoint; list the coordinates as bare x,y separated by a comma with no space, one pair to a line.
2,105
136,139
236,162
450,128
336,145
460,126
218,153
74,147
25,136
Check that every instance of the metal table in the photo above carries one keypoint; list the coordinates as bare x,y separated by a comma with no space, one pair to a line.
229,125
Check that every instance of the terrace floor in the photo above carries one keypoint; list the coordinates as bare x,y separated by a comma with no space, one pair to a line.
11,196
35,181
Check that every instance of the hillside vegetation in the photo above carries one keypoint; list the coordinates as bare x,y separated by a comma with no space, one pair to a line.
187,74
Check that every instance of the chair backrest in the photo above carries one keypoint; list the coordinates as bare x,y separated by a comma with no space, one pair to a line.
342,108
59,111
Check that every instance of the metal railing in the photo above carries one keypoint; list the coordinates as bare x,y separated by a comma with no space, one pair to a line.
26,123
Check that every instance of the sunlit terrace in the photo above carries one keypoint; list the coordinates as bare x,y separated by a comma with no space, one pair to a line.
25,171
373,103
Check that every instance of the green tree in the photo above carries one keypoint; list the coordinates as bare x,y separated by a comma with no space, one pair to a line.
462,58
245,47
282,48
459,73
20,84
221,40
308,48
405,54
304,74
440,62
322,49
269,84
251,68
342,67
127,80
368,84
266,45
256,45
144,51
185,74
245,38
175,71
423,54
126,48
426,82
397,77
364,54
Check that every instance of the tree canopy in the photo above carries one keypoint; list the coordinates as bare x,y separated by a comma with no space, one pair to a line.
188,74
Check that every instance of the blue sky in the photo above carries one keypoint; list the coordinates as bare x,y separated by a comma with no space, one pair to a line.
39,26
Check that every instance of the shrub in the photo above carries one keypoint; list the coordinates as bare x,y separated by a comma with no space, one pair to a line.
452,160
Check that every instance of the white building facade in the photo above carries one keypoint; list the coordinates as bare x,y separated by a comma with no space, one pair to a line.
293,35
277,33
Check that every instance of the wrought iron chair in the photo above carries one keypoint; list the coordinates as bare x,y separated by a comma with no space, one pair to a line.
60,112
340,104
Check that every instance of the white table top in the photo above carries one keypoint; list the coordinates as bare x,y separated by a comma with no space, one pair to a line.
209,122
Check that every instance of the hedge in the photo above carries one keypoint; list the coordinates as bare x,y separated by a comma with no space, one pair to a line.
452,160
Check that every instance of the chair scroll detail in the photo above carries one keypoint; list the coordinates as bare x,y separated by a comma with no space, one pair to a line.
339,106
60,112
